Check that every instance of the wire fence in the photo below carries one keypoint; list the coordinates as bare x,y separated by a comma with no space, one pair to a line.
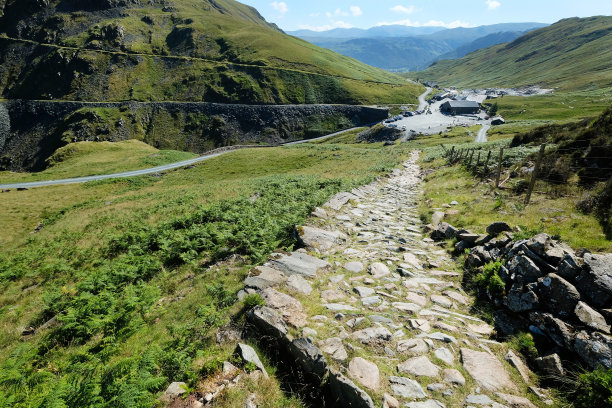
550,173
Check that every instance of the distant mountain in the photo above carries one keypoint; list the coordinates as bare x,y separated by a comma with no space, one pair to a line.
574,53
482,42
401,48
379,31
183,50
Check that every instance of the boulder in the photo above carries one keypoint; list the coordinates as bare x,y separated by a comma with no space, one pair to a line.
406,388
344,392
559,331
299,284
468,237
297,263
175,390
249,355
521,299
365,372
569,267
412,346
487,370
444,231
515,401
561,296
590,317
436,218
263,277
497,228
425,404
551,366
337,201
520,366
595,349
308,356
525,268
419,366
268,321
289,307
390,401
372,335
453,376
334,347
379,270
354,267
595,282
317,238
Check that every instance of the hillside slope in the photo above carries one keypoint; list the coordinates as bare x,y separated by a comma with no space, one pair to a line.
187,50
571,54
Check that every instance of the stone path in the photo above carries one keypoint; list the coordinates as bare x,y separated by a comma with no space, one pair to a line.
383,308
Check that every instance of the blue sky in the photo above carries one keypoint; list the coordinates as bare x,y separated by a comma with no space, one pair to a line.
321,15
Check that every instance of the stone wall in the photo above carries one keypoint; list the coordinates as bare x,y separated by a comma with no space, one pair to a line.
39,128
5,125
560,295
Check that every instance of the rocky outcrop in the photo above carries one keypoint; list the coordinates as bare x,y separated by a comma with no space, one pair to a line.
558,294
31,131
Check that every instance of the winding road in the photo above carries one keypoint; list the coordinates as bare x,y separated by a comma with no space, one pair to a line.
422,101
482,134
151,170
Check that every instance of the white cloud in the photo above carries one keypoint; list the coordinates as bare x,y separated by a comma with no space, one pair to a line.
403,9
334,24
356,11
430,23
314,14
492,4
280,6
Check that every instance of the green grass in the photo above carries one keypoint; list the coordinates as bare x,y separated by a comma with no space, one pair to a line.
125,266
572,54
197,53
93,158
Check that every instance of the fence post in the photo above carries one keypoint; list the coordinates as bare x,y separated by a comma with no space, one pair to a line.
452,153
478,160
486,166
499,167
535,174
471,157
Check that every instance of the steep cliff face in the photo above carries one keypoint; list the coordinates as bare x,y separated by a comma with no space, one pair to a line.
33,130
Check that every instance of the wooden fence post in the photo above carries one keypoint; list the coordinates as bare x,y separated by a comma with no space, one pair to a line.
486,166
471,157
478,160
452,153
499,167
535,174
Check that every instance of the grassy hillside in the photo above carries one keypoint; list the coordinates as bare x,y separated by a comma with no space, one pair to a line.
571,54
221,51
127,269
82,159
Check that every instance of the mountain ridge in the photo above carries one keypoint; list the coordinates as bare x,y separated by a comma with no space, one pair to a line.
231,55
572,54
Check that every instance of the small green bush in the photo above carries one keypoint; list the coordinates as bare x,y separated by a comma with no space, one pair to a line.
593,389
253,300
489,279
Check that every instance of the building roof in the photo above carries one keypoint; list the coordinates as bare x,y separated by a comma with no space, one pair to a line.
463,104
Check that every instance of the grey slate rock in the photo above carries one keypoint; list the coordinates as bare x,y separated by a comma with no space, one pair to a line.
559,331
268,321
561,296
521,299
249,355
308,357
497,228
594,349
525,267
590,317
406,388
345,393
551,365
595,282
297,263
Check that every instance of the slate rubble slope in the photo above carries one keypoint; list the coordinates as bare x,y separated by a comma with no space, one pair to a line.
386,320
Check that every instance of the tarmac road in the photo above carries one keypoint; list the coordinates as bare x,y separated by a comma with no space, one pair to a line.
422,101
482,134
142,172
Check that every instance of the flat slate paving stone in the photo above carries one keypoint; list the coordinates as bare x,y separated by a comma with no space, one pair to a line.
388,306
